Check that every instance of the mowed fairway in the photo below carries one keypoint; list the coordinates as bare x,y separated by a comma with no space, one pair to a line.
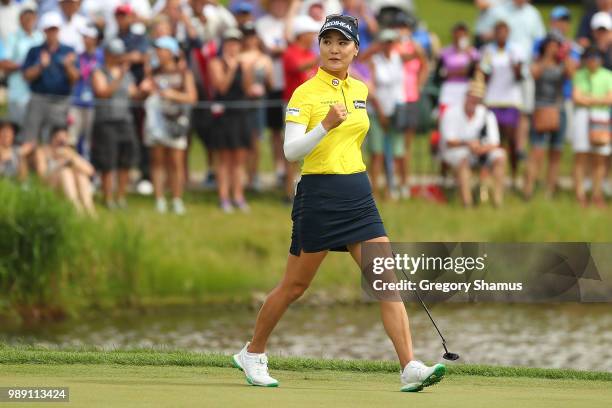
172,386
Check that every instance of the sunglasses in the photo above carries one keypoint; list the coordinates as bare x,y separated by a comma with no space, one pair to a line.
352,19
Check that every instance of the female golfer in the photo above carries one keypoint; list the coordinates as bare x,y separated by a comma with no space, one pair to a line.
333,209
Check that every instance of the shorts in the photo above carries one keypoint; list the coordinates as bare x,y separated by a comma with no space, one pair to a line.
377,137
43,114
331,211
114,146
407,116
580,139
275,115
506,116
454,156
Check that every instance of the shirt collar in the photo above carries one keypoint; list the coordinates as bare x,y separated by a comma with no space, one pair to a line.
332,80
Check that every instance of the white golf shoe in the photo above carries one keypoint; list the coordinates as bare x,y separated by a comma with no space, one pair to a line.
417,375
255,367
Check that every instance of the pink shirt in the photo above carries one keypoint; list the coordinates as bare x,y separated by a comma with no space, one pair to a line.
412,67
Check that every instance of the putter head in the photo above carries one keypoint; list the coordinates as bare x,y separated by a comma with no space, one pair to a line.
450,356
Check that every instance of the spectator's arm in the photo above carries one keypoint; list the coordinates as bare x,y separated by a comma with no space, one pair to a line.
189,95
78,163
102,88
34,66
220,77
368,17
294,8
536,70
424,70
580,98
40,162
71,69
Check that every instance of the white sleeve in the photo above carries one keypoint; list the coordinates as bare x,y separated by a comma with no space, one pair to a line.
298,143
492,138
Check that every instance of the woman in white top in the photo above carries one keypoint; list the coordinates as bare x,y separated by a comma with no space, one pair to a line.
387,68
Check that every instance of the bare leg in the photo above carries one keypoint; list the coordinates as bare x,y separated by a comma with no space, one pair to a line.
238,159
123,178
223,165
579,170
67,182
533,170
85,193
298,274
280,163
499,167
157,170
599,172
394,315
107,186
554,161
176,167
463,181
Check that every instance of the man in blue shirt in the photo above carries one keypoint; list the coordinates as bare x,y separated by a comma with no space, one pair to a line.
51,71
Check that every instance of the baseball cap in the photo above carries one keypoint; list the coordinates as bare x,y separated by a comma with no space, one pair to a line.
51,19
560,13
124,9
242,8
232,34
591,52
168,43
248,28
89,31
347,25
28,6
601,19
115,47
305,24
388,35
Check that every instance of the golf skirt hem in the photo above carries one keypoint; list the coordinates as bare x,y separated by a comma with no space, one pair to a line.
331,211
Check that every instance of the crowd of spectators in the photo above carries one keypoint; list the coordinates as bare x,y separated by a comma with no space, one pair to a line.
101,91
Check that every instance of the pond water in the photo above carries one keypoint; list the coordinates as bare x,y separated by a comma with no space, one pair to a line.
577,336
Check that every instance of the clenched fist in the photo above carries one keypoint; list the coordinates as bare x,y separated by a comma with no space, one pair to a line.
336,115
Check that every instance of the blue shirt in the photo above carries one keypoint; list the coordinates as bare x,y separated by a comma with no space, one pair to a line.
17,47
135,42
87,64
53,80
2,51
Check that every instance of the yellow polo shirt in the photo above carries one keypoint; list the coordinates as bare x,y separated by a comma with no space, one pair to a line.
339,152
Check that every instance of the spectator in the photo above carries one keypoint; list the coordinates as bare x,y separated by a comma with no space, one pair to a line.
243,13
591,143
502,62
62,168
231,137
181,23
102,14
51,70
456,67
255,5
416,73
485,20
258,77
114,141
17,47
82,111
368,26
328,7
9,16
72,25
218,19
387,70
173,90
12,157
549,73
584,35
470,137
601,25
271,30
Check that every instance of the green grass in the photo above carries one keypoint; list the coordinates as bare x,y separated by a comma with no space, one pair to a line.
142,378
25,354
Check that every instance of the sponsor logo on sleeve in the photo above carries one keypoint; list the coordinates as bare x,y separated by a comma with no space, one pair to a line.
359,104
293,112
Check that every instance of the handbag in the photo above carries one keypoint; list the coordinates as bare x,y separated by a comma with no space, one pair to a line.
546,119
599,128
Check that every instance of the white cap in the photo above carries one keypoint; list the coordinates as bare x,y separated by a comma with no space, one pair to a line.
89,31
51,19
305,24
28,5
601,19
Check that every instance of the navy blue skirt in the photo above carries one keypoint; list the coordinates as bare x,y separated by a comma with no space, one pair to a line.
333,210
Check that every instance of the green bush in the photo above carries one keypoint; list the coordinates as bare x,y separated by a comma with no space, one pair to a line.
35,232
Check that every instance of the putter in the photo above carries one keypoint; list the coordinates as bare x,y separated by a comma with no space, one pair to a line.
447,354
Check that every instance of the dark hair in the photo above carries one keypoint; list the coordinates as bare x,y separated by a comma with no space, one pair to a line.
56,129
591,52
460,26
546,42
